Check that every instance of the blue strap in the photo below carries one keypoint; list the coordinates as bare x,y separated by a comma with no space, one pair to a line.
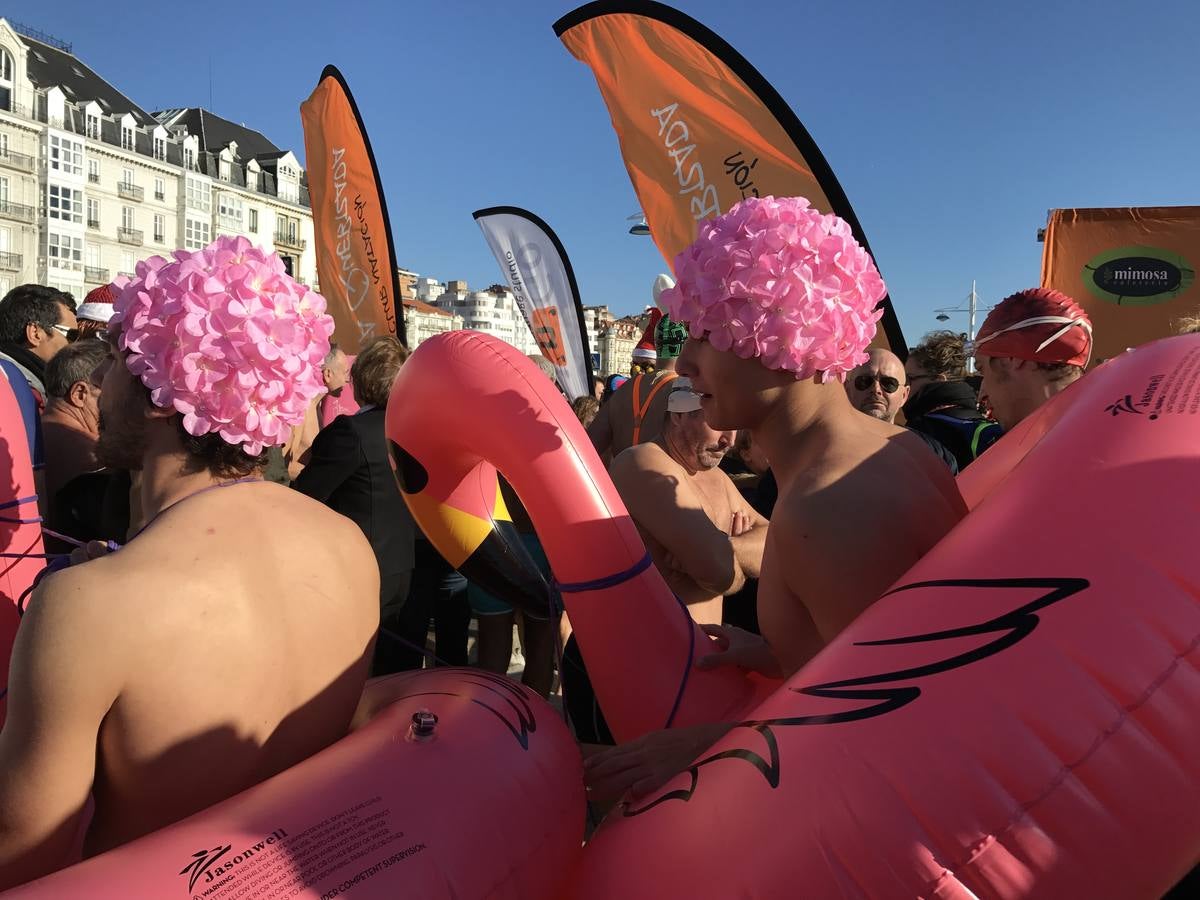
20,501
599,584
688,669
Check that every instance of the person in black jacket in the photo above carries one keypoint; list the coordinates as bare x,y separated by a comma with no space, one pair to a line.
942,407
350,473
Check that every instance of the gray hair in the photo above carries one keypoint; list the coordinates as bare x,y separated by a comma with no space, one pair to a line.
331,357
74,363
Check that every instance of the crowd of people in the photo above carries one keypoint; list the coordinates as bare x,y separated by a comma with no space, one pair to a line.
759,469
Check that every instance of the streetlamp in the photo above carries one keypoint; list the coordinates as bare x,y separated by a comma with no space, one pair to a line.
972,307
640,227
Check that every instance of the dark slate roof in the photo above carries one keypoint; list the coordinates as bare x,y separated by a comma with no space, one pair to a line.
215,133
49,66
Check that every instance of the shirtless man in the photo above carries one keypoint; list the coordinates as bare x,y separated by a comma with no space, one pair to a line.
228,641
704,538
635,413
860,500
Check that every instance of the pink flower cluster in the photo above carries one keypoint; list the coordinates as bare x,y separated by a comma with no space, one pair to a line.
778,280
226,337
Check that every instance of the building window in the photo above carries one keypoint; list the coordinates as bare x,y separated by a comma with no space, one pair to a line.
126,137
128,263
4,189
223,167
189,159
91,254
93,212
127,177
65,251
93,126
196,234
94,171
199,194
4,145
66,156
160,148
229,212
160,229
289,191
160,189
252,220
127,218
253,180
65,204
6,65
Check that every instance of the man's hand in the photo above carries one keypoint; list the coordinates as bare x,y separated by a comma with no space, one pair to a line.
738,647
641,767
740,524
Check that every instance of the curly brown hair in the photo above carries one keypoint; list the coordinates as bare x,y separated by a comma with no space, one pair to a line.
942,353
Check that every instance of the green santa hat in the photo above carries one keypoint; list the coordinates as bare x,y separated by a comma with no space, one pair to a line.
669,335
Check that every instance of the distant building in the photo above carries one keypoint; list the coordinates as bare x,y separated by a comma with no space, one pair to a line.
422,321
616,339
91,183
494,311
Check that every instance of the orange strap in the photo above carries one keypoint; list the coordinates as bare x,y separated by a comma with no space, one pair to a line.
640,409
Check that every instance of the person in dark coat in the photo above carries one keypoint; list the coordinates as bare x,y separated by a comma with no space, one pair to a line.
350,473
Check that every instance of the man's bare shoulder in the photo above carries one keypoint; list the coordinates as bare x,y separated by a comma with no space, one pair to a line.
643,459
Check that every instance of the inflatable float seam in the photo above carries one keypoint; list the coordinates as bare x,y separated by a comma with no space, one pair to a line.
1067,769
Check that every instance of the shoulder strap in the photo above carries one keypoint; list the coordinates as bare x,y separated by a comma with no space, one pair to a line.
640,409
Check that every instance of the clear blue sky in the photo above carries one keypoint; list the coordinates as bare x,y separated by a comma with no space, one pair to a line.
952,126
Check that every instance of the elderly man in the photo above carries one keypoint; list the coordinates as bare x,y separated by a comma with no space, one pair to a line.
860,500
71,421
879,387
703,536
232,635
1032,346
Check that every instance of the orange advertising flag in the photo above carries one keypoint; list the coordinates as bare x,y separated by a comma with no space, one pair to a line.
1132,269
356,261
700,129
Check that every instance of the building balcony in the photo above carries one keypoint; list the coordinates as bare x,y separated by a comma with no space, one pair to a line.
130,236
287,239
95,275
18,211
22,162
159,195
94,224
130,191
10,262
93,177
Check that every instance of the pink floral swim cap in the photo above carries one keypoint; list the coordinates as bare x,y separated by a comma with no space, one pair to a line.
226,337
776,279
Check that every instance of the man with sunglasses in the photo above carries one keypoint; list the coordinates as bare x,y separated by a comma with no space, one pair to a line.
36,322
878,387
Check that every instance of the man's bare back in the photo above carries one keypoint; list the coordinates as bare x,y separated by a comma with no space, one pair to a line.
612,431
226,643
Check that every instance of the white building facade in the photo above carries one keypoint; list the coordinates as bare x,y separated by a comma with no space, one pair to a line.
90,183
494,311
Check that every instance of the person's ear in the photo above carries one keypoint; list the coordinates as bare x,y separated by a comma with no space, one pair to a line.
78,393
34,335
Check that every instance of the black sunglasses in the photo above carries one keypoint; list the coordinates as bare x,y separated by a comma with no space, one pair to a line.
889,384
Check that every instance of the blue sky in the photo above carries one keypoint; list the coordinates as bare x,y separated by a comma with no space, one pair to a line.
952,126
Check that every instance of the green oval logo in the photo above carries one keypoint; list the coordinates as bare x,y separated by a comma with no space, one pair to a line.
1138,276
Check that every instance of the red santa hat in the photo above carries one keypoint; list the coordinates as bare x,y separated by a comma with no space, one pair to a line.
97,306
645,347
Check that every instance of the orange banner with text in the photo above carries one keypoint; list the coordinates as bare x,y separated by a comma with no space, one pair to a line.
699,128
356,261
1132,269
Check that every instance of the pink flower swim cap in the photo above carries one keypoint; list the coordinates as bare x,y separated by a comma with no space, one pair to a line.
776,279
226,337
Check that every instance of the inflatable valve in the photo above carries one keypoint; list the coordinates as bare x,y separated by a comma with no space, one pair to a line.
421,730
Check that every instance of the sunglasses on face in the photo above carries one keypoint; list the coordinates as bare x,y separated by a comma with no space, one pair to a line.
642,368
889,384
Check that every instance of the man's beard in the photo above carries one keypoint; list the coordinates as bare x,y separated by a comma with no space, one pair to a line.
120,447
